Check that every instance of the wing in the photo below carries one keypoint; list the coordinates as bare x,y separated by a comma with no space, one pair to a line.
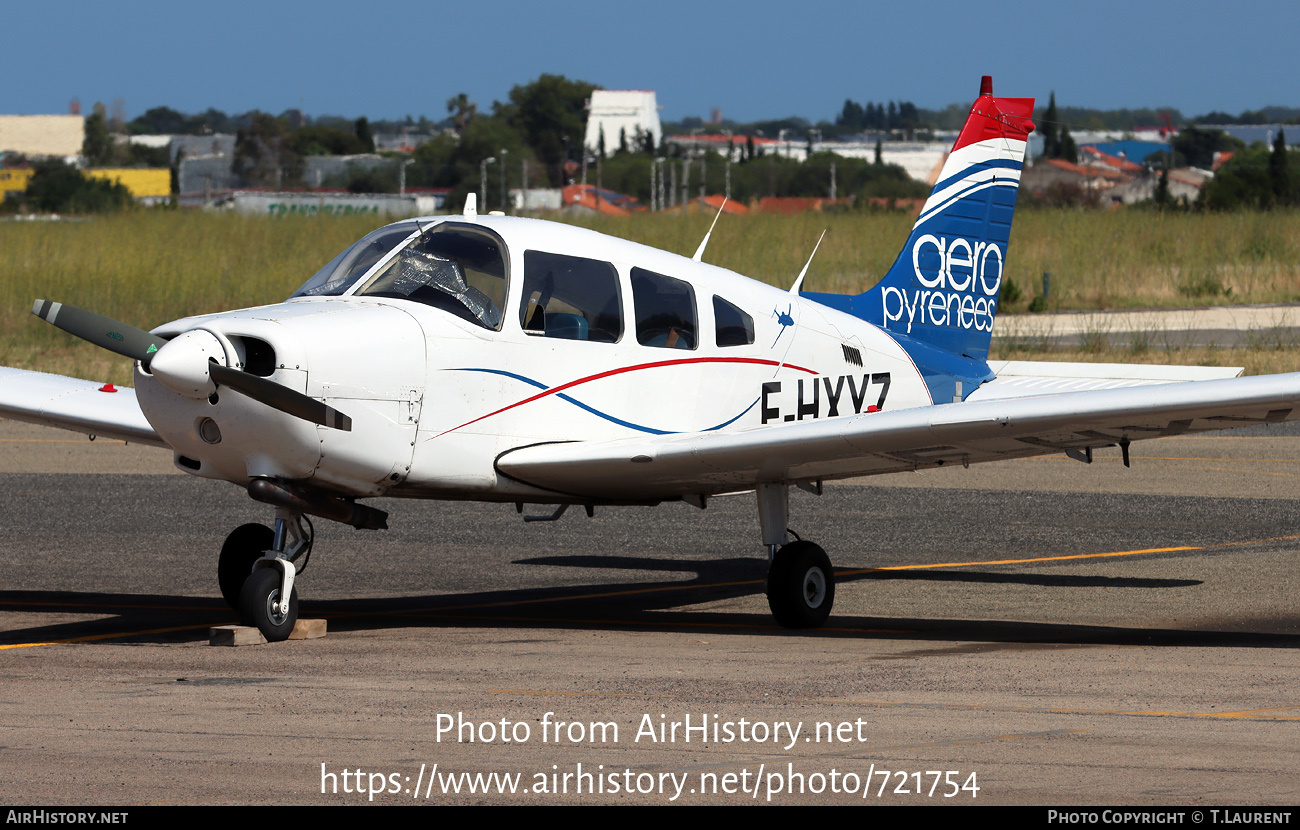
669,466
78,405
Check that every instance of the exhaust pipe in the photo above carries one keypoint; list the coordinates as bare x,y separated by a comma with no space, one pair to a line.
315,503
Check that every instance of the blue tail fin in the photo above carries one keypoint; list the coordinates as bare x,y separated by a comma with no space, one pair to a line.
942,291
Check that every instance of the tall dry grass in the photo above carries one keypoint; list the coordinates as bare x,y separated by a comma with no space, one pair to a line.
148,267
1097,259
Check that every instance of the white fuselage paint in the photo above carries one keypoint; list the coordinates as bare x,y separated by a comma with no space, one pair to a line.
435,399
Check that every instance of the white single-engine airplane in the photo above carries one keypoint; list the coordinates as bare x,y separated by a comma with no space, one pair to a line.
516,360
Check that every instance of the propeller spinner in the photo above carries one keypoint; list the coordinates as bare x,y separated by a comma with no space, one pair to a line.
188,364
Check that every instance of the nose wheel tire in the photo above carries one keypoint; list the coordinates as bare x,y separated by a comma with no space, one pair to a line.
801,585
242,548
259,604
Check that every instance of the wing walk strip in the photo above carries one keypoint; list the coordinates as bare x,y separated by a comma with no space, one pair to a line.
446,611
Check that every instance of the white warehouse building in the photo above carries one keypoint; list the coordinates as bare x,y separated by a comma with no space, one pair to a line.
626,110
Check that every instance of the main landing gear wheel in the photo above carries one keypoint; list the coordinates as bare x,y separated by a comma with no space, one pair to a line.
244,546
800,585
259,605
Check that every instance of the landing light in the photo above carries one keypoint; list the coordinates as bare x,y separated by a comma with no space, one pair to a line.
209,431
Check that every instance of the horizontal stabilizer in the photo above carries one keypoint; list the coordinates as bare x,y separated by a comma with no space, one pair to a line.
1023,378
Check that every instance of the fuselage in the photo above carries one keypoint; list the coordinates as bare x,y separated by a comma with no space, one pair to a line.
568,335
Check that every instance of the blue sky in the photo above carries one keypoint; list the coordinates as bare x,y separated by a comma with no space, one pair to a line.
758,59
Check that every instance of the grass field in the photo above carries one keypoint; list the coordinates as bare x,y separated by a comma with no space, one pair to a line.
1098,260
148,267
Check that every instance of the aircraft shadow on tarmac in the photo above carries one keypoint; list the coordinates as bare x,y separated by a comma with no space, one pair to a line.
652,606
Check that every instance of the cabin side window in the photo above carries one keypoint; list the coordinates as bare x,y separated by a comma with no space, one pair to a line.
733,326
665,311
572,298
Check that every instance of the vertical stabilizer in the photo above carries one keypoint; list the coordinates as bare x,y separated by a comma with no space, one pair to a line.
942,291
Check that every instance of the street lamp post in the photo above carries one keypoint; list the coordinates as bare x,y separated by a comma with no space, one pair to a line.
401,182
482,181
731,148
504,153
654,185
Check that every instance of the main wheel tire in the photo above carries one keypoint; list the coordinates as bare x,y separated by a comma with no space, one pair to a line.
244,546
801,585
261,591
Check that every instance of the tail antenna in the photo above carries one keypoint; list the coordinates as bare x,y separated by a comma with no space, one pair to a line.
794,289
699,252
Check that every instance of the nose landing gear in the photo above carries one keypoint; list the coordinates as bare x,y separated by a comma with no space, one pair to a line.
244,546
257,569
260,602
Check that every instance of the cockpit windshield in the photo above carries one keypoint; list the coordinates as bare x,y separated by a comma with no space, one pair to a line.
348,267
458,268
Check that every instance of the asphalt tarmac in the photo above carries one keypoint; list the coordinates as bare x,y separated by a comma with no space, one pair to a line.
1045,631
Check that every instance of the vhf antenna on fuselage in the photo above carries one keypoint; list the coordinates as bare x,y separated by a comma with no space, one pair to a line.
699,252
794,289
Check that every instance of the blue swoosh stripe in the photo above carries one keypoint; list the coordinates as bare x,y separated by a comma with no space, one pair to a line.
597,412
979,165
957,197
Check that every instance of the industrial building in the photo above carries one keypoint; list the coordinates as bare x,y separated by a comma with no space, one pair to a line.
629,112
42,135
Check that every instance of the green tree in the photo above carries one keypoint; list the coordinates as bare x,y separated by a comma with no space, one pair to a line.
60,188
97,145
159,121
545,112
264,153
1246,182
1051,129
325,141
1161,197
1066,148
362,131
1278,174
1196,146
462,111
482,138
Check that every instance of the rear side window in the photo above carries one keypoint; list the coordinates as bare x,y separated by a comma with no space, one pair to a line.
665,311
734,327
572,298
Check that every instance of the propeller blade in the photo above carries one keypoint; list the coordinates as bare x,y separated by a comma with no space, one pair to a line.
280,397
129,341
102,331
